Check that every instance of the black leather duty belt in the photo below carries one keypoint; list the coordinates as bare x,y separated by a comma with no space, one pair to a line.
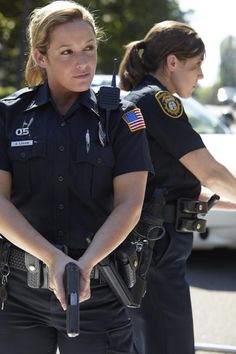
185,220
17,260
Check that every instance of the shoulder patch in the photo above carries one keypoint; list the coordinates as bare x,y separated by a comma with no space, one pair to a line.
134,120
170,105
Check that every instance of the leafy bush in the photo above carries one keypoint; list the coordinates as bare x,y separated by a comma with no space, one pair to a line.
5,91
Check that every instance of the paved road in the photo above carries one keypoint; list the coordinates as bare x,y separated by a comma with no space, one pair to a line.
212,277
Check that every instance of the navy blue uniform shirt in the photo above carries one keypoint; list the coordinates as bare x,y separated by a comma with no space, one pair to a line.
62,176
170,137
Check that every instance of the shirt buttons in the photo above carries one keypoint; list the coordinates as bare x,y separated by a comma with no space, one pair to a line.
61,206
61,148
22,155
99,160
60,178
63,124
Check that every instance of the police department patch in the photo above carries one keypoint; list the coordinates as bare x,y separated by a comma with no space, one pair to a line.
134,120
169,104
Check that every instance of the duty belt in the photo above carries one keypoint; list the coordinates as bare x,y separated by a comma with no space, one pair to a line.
24,261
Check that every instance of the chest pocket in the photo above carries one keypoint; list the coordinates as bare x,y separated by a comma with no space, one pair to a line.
28,166
95,171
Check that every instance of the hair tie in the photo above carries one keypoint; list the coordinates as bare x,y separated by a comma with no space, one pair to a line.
140,48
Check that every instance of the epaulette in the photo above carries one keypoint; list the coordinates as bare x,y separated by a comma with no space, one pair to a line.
125,104
17,94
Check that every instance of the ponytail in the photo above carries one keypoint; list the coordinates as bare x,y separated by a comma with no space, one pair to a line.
150,54
132,69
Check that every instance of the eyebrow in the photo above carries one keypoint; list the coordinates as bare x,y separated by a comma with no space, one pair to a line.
69,45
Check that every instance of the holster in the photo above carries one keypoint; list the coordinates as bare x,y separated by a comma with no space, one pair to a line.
126,260
133,257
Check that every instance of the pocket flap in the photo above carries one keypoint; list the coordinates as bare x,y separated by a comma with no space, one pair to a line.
24,153
97,156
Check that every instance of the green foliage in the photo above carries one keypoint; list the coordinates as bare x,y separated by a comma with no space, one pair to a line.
6,26
13,21
127,20
5,91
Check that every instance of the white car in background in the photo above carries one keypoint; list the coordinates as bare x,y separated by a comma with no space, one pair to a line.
221,142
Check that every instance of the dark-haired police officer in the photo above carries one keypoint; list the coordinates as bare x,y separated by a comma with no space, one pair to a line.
165,62
166,305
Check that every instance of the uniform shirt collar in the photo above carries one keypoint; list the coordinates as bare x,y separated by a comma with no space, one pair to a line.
88,99
151,80
43,96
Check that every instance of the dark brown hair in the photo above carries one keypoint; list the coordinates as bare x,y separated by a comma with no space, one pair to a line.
149,54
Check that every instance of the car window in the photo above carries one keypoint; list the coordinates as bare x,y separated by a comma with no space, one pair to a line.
202,119
101,80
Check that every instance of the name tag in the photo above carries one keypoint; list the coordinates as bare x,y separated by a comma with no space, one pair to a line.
21,143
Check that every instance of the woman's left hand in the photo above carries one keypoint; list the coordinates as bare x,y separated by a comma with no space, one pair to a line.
85,271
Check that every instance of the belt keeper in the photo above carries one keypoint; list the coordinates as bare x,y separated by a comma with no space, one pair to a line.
194,206
187,215
190,225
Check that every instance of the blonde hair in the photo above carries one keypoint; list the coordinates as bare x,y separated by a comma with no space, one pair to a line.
147,55
42,21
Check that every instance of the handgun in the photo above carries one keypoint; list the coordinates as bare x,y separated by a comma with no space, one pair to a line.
72,296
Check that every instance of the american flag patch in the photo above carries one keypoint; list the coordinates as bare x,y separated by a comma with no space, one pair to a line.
134,120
